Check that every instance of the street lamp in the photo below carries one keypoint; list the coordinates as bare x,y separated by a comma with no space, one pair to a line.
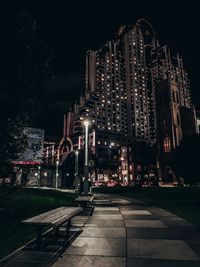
76,170
57,163
86,124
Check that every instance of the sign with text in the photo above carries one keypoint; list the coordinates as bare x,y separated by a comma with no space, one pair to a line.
33,153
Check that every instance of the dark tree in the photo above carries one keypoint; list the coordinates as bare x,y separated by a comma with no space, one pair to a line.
185,160
24,68
144,155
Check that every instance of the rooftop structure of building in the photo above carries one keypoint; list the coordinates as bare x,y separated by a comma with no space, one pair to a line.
121,79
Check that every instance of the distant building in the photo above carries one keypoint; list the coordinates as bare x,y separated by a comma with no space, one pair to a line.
50,152
198,121
135,91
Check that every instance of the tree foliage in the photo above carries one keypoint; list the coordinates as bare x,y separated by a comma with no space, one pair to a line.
144,154
24,68
185,159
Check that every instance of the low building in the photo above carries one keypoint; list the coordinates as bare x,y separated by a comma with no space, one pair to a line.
197,121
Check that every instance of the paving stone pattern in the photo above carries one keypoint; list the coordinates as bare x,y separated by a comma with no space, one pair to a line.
125,233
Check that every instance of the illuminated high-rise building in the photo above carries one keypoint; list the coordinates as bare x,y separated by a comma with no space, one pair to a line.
135,91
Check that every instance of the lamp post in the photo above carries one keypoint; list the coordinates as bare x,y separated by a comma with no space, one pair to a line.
76,171
57,163
86,124
38,177
122,177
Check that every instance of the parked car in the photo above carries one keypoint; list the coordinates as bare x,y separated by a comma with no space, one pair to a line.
131,184
112,183
97,183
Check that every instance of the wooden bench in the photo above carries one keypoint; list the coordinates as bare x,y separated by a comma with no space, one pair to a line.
53,219
84,200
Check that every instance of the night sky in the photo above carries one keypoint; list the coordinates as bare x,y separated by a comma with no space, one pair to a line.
72,29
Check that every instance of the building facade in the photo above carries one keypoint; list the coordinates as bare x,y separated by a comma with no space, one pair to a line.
198,122
135,91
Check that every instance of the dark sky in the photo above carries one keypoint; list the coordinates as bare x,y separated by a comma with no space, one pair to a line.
72,28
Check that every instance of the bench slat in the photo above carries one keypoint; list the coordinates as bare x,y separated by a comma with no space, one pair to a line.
43,215
54,217
67,216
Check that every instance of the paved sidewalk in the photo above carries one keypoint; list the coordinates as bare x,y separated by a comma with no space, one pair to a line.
123,232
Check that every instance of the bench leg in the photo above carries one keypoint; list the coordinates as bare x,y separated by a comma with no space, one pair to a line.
56,234
83,205
66,230
39,236
68,226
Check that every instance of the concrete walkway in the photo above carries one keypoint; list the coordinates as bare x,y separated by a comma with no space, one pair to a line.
123,232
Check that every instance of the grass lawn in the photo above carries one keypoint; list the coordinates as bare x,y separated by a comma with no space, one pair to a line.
18,204
185,202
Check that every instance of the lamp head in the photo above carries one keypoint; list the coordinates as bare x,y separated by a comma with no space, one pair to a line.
86,123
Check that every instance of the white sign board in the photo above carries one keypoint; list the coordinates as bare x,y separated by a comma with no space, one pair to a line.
33,153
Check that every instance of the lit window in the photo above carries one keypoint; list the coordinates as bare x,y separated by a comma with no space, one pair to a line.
167,144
